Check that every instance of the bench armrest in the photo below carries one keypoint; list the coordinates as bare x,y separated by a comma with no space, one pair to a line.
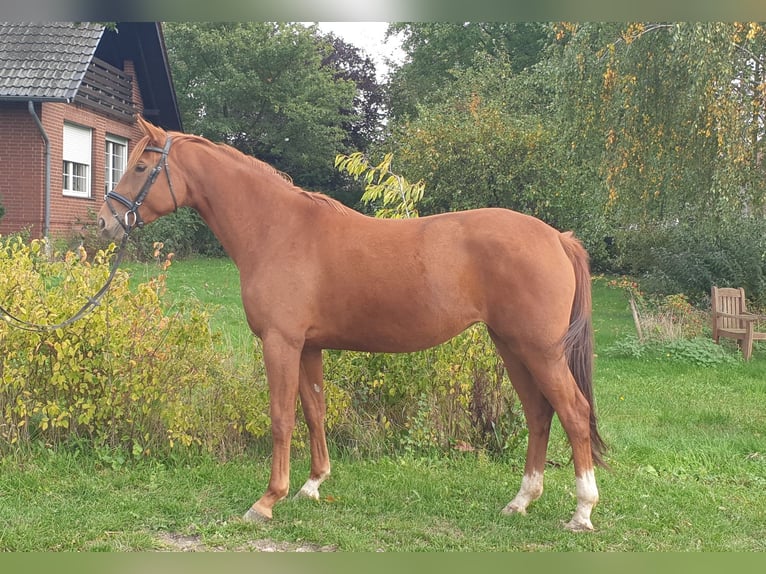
750,317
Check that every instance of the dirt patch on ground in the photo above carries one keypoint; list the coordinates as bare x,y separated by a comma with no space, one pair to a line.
174,542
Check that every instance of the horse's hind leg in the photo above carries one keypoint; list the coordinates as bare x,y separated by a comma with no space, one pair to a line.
311,389
556,382
539,413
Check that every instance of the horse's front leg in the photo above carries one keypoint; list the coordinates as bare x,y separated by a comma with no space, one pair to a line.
282,360
311,391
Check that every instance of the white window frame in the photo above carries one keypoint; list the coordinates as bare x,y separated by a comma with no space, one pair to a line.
114,164
77,156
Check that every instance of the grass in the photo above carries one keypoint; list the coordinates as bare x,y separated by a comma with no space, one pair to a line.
688,473
215,282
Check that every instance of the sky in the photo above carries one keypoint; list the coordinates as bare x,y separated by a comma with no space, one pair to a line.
370,38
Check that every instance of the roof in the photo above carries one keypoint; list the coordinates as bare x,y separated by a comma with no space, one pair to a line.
27,70
48,61
144,43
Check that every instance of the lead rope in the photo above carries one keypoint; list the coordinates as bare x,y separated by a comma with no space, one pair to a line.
86,309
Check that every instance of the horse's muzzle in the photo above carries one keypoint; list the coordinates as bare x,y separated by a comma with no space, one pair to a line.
109,229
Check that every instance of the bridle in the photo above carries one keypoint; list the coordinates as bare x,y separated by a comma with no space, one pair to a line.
132,212
129,221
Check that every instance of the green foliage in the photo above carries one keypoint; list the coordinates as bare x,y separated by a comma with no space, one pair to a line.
701,351
454,396
135,374
473,147
488,139
438,51
263,88
396,197
183,233
643,105
668,328
691,256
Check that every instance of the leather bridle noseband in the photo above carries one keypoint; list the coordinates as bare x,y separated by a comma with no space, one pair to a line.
132,212
129,221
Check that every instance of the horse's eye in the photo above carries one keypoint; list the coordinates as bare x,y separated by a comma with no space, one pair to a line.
140,168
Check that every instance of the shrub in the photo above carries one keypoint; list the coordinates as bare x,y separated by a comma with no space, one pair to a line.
691,257
667,327
661,318
134,374
700,351
183,232
454,396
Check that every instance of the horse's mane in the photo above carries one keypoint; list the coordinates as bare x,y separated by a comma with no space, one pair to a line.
316,197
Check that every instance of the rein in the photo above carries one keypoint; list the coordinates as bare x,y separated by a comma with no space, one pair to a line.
127,226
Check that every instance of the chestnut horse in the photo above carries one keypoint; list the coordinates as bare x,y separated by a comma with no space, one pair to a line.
316,275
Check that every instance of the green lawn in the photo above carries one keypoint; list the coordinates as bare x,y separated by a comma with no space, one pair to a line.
688,456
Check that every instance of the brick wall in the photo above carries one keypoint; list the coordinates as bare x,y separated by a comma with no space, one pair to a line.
22,164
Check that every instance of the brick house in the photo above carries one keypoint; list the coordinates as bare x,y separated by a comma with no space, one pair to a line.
69,94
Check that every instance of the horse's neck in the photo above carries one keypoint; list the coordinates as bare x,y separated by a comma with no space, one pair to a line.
240,202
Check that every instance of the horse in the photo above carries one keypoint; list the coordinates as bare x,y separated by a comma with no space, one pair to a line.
318,275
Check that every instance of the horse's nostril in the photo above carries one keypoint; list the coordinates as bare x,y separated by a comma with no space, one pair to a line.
101,223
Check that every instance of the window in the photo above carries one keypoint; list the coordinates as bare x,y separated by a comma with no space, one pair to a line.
116,158
77,160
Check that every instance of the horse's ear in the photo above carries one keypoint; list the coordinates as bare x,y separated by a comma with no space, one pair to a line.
143,124
154,133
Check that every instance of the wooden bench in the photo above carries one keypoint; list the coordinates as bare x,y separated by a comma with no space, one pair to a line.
732,320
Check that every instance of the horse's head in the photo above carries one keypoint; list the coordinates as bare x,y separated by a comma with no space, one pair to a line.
146,190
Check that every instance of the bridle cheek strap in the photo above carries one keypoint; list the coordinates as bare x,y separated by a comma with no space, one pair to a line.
132,218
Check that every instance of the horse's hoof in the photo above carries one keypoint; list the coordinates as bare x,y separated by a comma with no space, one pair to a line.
255,516
582,525
510,510
312,495
309,490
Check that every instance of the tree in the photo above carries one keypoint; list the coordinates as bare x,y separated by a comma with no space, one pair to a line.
438,51
667,115
262,88
662,123
483,142
366,117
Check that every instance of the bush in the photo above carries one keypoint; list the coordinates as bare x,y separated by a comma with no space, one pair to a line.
454,396
691,257
183,233
667,328
700,351
134,374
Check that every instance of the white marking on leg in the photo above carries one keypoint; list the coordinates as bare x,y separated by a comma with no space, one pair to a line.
587,498
531,489
317,388
311,488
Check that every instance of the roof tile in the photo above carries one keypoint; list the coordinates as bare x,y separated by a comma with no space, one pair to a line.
45,60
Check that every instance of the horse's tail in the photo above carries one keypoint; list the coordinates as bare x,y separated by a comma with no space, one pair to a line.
578,341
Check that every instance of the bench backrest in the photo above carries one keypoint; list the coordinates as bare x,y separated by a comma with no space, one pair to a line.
730,301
